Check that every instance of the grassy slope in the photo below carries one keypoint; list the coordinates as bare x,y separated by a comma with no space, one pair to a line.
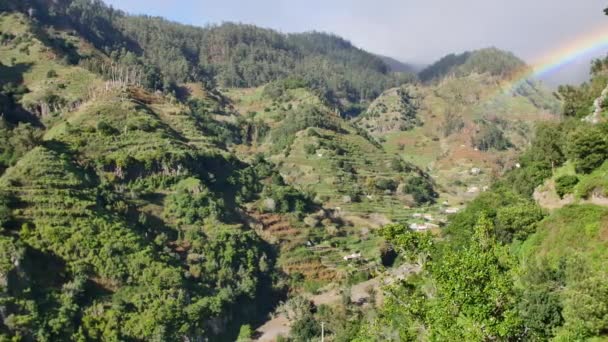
34,59
450,159
323,172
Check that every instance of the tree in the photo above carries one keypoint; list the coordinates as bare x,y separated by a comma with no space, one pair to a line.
421,189
245,333
409,244
588,147
517,221
475,295
305,329
565,184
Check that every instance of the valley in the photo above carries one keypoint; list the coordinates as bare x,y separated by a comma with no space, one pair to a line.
166,182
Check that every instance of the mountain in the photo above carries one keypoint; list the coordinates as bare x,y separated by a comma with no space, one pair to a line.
463,130
526,259
490,60
231,55
398,66
166,182
139,201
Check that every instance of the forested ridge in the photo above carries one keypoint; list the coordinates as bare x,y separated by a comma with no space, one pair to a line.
230,54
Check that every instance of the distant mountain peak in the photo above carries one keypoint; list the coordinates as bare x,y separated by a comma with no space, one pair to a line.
488,60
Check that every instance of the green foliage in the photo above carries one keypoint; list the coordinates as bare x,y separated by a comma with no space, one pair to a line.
578,101
473,296
421,189
15,142
565,184
490,60
288,200
488,204
51,74
245,333
192,202
306,116
540,305
490,137
305,329
478,301
310,149
546,153
569,247
517,221
106,129
410,244
232,55
386,184
588,148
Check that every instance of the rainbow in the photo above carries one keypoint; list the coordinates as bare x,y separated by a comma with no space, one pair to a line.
593,42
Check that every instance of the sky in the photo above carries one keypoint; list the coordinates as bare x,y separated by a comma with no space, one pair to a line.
412,31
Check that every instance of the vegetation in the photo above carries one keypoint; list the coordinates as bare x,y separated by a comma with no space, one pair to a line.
505,269
565,185
142,200
231,55
490,60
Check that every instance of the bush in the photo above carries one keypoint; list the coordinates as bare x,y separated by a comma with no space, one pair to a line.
385,184
588,148
193,202
490,137
305,329
51,74
421,189
310,149
307,116
517,221
245,333
106,129
565,185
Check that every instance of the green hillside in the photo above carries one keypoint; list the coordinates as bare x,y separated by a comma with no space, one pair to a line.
231,55
180,212
463,130
525,260
490,60
165,182
128,196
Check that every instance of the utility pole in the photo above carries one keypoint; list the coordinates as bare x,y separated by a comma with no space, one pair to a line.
322,331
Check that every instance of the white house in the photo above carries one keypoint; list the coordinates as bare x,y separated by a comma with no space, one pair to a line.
419,227
452,210
353,256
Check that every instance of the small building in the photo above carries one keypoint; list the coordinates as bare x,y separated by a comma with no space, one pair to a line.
419,227
353,256
473,190
452,210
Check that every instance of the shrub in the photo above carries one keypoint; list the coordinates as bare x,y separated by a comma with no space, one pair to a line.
565,184
106,129
51,74
245,333
588,148
421,189
490,137
193,202
310,149
385,184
